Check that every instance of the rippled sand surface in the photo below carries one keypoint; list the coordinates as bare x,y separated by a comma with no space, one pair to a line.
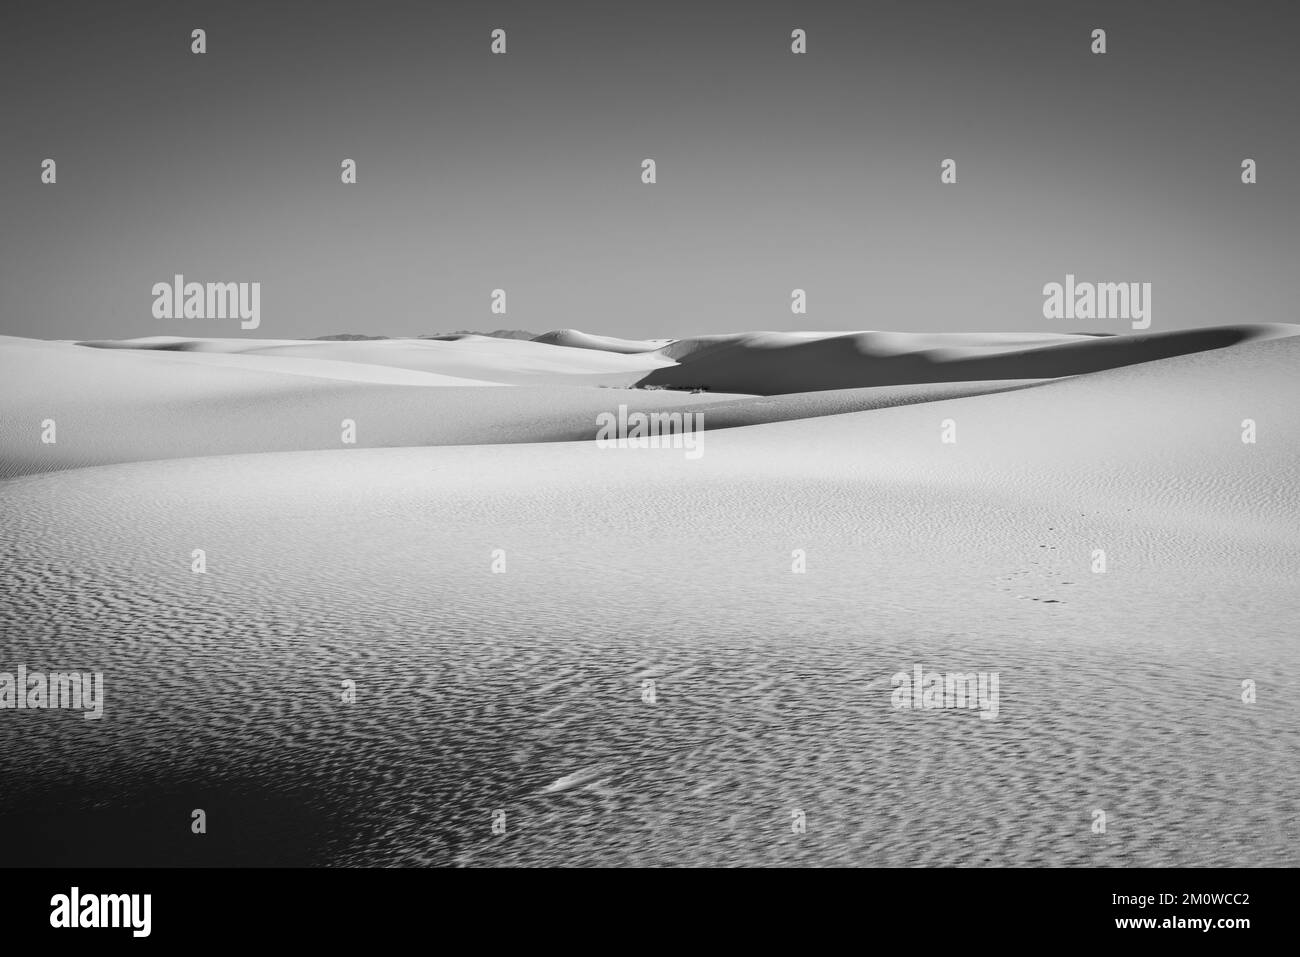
522,691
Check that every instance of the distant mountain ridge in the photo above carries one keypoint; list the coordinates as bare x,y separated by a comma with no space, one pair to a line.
494,334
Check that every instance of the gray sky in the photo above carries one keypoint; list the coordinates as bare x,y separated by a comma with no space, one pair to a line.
522,171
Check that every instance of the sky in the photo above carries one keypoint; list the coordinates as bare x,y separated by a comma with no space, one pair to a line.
522,171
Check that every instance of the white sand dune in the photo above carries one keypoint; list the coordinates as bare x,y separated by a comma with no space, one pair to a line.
523,690
575,339
484,358
126,404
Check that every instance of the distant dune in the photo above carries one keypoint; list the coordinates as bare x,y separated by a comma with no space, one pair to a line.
494,334
346,337
483,358
574,339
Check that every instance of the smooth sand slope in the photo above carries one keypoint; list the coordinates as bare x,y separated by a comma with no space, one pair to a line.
523,691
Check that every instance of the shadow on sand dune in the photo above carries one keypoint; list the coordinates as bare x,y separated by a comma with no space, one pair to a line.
779,363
